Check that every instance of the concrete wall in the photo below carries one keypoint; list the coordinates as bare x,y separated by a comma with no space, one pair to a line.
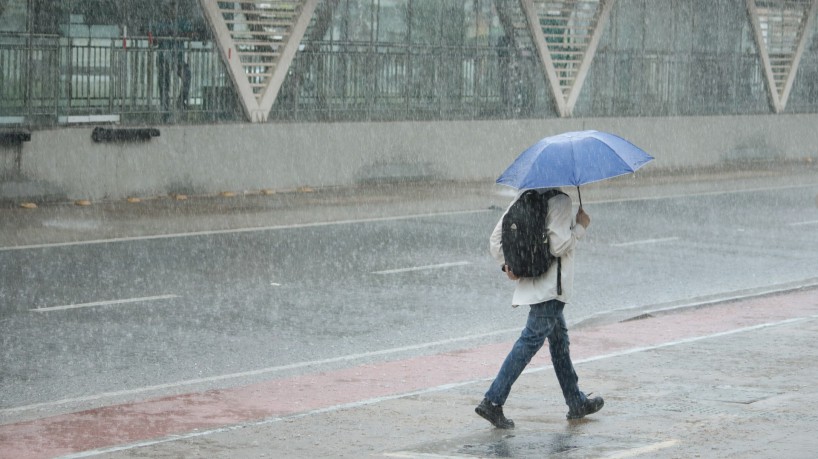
239,157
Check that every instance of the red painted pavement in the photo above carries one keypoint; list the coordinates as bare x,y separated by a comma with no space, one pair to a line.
133,422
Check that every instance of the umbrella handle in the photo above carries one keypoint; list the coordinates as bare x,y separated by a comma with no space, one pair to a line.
580,197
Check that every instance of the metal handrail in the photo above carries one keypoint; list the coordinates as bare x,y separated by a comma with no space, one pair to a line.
49,79
46,79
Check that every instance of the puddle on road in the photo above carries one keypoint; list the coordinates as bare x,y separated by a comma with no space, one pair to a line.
532,444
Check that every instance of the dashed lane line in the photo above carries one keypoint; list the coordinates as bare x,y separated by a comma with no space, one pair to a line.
243,230
422,268
104,303
646,241
811,222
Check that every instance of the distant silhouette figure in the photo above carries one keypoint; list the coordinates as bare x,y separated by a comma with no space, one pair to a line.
170,58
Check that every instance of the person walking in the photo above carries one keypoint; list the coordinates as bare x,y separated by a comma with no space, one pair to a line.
546,296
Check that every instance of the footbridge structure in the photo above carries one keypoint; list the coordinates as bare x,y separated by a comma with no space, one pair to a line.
202,96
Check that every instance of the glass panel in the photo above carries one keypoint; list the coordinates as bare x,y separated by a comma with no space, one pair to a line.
393,24
13,15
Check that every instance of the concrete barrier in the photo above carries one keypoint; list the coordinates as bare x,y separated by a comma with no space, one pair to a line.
207,159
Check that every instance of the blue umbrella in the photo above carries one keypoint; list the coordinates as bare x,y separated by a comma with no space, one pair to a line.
573,158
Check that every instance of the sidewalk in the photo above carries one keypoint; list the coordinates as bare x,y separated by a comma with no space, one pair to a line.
730,380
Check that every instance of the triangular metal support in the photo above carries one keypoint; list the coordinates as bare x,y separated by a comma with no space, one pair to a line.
258,40
781,28
566,34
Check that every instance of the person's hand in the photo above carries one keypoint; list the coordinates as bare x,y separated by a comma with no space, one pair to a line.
511,274
583,218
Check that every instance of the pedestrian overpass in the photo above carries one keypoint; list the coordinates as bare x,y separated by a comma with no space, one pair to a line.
282,94
335,60
264,36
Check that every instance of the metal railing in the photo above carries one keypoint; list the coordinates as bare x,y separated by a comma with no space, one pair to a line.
329,81
673,84
52,80
332,81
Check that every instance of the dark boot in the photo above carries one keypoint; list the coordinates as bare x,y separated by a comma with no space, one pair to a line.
590,406
493,414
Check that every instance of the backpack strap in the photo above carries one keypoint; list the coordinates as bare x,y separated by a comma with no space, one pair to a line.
548,195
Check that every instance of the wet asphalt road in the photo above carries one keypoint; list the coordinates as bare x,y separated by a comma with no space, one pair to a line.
215,310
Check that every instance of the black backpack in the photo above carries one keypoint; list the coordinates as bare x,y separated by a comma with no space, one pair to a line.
525,236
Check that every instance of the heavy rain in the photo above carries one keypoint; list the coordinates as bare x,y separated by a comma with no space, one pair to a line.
262,228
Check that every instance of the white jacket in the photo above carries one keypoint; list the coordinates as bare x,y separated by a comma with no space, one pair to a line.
563,234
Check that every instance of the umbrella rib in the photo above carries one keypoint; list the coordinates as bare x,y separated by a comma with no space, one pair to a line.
575,179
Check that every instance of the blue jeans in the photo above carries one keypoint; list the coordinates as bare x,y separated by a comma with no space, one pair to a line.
544,321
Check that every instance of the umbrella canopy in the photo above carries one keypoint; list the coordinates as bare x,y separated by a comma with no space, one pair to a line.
573,158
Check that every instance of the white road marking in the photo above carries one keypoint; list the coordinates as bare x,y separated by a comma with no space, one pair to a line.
703,193
104,303
412,454
646,241
685,341
260,371
242,230
811,222
644,449
422,268
429,390
378,219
